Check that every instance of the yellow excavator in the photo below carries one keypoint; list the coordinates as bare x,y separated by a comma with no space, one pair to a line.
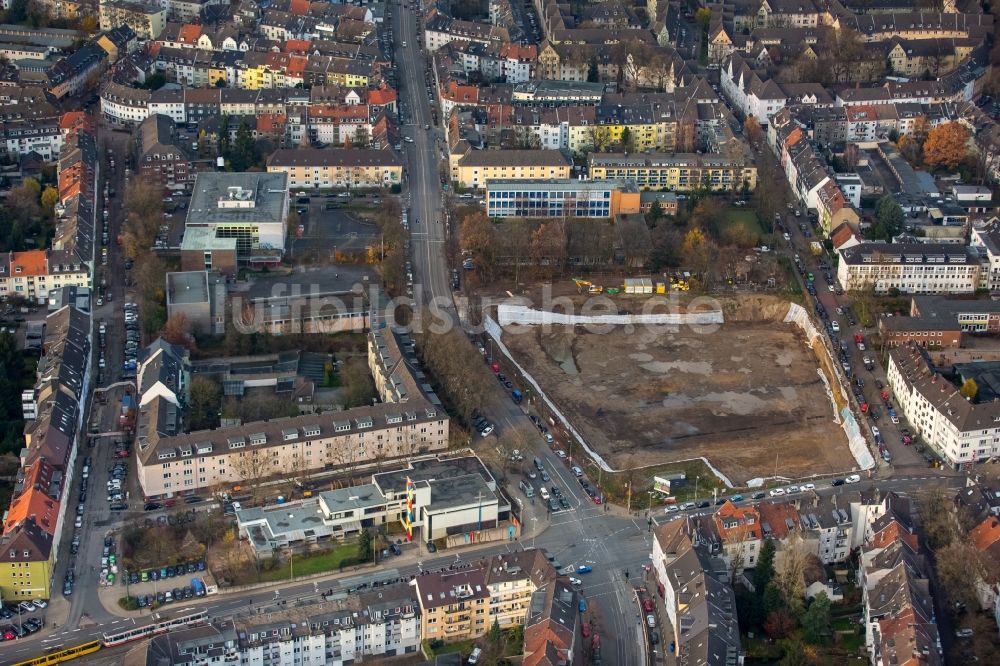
588,285
679,284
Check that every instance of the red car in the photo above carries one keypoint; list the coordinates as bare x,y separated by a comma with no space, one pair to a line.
586,631
597,499
647,605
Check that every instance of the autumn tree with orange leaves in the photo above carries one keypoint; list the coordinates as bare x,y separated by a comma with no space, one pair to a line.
947,145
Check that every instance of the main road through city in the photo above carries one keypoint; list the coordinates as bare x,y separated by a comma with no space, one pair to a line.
585,535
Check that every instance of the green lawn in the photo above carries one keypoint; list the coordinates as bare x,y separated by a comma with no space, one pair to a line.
746,219
306,565
615,485
464,647
792,286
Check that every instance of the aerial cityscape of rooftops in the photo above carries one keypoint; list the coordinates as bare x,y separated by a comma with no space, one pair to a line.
606,332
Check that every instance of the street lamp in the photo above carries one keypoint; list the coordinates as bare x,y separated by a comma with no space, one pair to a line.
697,479
291,556
534,531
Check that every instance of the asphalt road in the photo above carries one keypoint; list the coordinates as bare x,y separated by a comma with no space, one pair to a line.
423,193
903,457
585,534
609,543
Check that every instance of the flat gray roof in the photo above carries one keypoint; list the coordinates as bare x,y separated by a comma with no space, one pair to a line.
559,184
204,238
348,499
459,491
238,198
429,470
187,287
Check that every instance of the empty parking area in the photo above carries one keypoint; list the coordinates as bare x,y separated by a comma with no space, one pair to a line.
332,230
745,397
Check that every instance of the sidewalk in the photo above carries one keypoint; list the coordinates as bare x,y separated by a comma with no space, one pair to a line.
109,596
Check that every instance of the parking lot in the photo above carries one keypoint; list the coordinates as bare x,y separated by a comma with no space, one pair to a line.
20,620
328,229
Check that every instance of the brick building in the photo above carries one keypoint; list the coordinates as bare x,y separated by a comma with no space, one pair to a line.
161,156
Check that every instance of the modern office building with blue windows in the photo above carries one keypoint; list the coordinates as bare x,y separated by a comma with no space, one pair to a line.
559,198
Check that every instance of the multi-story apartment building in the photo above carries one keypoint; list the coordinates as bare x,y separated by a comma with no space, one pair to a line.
188,11
987,239
929,56
512,579
34,522
561,198
476,167
364,626
33,274
147,20
898,611
740,533
380,624
314,168
676,171
454,605
440,30
26,568
700,602
916,25
69,75
162,157
960,430
405,423
937,322
24,130
196,461
921,268
463,604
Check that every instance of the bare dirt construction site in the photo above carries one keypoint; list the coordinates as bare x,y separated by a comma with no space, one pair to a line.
738,396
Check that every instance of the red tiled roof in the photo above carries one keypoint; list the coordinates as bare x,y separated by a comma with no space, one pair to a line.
268,123
383,95
35,503
189,33
747,517
891,533
794,137
31,262
986,533
841,235
297,45
776,515
861,112
298,7
519,51
71,118
296,65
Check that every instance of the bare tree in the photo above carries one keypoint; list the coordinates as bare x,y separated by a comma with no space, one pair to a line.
456,365
252,468
740,542
790,573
